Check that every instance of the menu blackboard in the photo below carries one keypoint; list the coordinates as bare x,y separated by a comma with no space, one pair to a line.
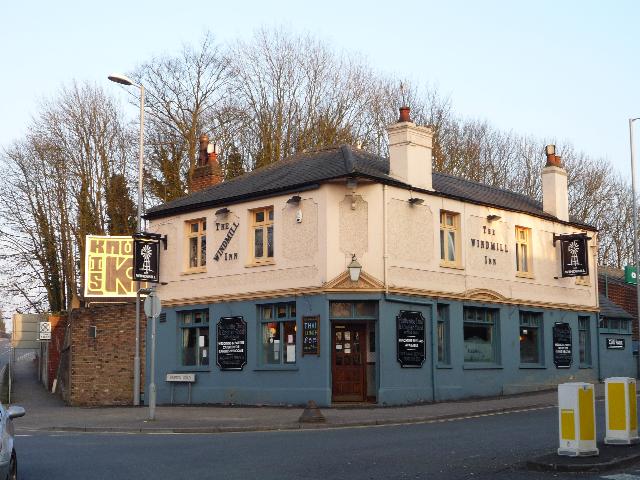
562,348
410,335
311,335
232,343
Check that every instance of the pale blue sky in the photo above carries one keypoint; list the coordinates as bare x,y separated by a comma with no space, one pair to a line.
563,69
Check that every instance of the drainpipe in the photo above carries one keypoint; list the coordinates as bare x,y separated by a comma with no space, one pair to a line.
385,254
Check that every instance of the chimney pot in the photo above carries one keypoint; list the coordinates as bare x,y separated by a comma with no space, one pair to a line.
405,114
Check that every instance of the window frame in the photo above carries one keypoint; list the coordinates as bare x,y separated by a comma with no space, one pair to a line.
495,335
444,340
584,325
539,320
200,235
604,326
444,245
526,242
264,225
290,316
197,326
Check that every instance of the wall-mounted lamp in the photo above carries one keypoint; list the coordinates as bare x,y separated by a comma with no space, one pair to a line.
491,218
354,269
295,200
223,211
165,240
416,201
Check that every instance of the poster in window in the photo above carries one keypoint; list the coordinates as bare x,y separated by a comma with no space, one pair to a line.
410,336
311,335
231,343
574,255
562,346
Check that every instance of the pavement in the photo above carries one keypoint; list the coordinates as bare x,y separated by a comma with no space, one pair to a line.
47,412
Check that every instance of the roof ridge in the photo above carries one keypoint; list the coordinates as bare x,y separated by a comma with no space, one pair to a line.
501,189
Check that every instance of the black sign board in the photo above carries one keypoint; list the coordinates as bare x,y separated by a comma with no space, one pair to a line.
615,343
574,255
232,343
562,347
146,257
310,335
410,335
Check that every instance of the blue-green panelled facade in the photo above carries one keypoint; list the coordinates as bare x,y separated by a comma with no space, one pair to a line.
449,371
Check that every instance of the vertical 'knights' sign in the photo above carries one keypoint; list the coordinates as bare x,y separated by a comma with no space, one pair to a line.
146,257
574,255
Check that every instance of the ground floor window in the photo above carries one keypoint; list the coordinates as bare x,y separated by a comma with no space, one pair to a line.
615,325
278,331
531,350
194,329
443,335
480,335
584,340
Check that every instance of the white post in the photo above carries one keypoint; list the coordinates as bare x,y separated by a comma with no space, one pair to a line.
635,232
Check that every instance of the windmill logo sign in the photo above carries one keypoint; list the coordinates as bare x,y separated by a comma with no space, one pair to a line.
574,255
146,257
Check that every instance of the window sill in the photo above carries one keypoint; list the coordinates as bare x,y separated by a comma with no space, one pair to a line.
585,367
454,266
260,264
277,368
532,366
604,331
528,275
192,368
482,366
193,271
444,366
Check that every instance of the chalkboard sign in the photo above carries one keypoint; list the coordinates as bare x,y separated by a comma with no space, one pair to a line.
410,335
562,348
232,343
311,335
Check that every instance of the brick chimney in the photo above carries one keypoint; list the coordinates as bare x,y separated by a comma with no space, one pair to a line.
555,194
410,151
207,171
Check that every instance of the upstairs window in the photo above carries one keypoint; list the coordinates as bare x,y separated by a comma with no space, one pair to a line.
449,239
523,251
262,235
197,243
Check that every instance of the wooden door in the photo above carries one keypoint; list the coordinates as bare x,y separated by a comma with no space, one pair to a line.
349,362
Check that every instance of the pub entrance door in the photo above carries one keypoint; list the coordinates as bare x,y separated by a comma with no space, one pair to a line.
349,362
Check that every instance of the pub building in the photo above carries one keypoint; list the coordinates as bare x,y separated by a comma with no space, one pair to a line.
341,276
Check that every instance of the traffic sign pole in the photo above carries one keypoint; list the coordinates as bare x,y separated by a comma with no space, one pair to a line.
152,308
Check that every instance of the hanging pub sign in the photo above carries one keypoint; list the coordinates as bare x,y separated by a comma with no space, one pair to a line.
146,257
574,255
311,335
615,343
410,336
232,343
562,347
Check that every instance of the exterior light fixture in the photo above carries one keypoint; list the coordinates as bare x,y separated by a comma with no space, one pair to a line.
294,200
492,218
416,201
223,211
354,269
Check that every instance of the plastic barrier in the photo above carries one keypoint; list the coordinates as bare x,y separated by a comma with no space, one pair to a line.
622,411
576,419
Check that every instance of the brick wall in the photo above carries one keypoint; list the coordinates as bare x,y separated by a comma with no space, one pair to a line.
58,324
101,368
623,295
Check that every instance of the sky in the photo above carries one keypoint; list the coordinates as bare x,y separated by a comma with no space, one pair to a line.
562,69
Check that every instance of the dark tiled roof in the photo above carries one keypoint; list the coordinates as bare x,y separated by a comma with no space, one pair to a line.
611,310
307,170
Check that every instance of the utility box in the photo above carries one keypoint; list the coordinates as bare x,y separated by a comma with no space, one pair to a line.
577,419
622,411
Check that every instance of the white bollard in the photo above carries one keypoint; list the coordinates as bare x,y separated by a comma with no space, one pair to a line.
576,419
622,411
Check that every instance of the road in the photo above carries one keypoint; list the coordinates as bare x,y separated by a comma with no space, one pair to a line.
489,447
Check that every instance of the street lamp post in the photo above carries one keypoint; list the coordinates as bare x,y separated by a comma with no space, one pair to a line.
121,79
635,230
